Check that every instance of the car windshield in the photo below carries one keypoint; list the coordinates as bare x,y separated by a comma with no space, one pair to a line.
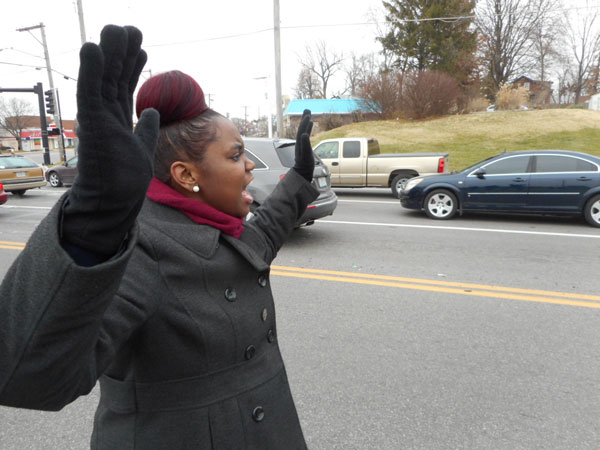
16,162
476,164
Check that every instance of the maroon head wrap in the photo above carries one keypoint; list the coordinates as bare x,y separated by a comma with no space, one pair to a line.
175,95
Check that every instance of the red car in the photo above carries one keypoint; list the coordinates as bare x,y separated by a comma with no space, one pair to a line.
3,195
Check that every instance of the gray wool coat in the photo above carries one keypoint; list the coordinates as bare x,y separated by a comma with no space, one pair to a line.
179,330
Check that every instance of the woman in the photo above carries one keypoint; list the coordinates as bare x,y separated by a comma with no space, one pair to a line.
186,351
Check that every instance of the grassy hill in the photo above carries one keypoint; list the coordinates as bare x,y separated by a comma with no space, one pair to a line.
473,137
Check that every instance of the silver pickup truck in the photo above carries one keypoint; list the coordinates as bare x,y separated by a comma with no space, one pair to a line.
358,162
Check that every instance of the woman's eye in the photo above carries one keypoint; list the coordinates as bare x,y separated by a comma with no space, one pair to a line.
237,156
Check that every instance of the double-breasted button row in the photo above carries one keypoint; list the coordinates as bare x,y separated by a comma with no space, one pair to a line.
262,280
230,294
250,352
258,414
271,336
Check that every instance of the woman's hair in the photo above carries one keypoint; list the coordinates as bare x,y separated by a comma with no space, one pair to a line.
187,125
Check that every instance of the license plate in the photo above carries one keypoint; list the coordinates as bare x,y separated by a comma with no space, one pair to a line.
21,174
322,181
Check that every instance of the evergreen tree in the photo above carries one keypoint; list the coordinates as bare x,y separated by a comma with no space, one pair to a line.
446,45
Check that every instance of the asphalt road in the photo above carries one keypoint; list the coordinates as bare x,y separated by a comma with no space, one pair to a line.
402,332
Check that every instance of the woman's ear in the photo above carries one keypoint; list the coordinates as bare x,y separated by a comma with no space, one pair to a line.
183,175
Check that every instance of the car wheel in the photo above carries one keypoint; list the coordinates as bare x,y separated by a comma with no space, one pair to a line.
440,205
592,211
19,192
399,182
54,179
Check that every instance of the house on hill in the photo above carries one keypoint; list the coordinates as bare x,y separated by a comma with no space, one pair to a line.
326,113
540,92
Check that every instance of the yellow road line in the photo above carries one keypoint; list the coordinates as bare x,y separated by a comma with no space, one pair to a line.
465,286
12,245
418,287
450,287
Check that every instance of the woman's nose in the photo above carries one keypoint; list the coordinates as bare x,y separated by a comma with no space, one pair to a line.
249,165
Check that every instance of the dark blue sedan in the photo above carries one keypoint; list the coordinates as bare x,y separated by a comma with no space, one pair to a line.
532,182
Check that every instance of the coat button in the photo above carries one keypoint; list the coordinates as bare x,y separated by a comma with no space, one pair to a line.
250,351
230,294
258,414
264,315
262,280
271,336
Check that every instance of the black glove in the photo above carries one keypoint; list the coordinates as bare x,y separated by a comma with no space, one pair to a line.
304,162
115,163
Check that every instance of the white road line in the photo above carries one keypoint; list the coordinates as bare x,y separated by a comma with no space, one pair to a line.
25,207
369,201
61,192
486,230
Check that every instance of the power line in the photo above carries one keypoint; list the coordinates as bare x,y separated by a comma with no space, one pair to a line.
65,76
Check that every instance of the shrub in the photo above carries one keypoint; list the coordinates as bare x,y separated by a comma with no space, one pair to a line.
331,121
429,93
382,93
512,98
476,104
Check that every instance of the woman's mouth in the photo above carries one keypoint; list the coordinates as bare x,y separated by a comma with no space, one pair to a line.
246,195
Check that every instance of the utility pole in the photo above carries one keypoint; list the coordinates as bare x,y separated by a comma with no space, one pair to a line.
49,69
60,127
210,96
81,22
277,33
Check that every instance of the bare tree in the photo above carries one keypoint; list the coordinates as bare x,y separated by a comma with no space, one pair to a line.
546,36
592,82
323,63
584,42
506,28
357,71
308,85
13,117
564,75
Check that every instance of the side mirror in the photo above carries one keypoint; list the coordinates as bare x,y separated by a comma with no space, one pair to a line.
479,173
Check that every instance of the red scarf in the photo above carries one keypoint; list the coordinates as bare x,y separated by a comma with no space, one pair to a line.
197,211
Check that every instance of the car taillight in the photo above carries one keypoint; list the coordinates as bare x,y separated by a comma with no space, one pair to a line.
441,165
1,187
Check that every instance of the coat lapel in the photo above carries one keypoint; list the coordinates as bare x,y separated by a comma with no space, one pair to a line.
200,239
246,251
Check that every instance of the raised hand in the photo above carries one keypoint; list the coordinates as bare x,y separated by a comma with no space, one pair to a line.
304,159
115,163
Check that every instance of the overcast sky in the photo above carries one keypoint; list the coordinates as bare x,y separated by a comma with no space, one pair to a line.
223,44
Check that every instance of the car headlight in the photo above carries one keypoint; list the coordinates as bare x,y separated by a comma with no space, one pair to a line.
412,183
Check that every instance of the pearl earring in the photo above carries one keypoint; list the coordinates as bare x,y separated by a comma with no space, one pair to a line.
196,189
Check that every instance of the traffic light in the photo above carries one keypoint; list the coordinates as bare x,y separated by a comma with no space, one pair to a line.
54,132
49,102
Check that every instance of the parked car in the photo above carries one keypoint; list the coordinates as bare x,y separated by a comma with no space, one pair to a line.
3,195
534,182
64,173
273,159
18,174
